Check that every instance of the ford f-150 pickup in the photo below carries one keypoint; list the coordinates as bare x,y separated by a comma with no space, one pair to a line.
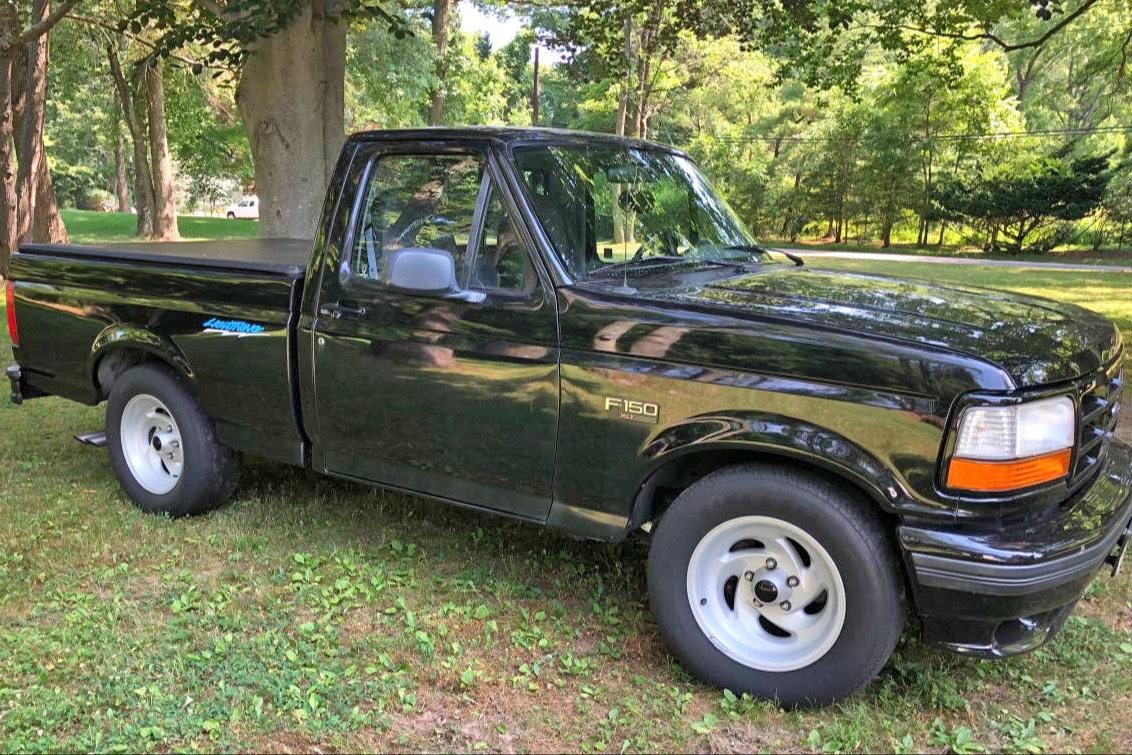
575,330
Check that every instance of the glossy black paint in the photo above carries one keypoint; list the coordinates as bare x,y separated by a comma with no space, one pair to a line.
81,314
503,404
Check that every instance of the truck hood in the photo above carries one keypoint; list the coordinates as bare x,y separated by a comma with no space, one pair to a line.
1036,341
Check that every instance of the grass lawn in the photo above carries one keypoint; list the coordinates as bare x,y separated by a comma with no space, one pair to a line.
87,227
1076,256
315,613
1105,291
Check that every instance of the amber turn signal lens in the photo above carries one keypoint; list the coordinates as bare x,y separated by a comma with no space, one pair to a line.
998,476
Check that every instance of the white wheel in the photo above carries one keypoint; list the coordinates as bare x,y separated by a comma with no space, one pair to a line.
151,444
766,593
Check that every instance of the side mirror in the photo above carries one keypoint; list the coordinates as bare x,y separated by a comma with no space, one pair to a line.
431,272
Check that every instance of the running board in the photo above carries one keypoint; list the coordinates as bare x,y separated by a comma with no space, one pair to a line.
96,439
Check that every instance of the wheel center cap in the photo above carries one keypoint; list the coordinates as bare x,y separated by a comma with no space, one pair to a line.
770,587
766,591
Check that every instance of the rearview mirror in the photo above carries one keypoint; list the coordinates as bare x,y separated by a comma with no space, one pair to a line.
431,272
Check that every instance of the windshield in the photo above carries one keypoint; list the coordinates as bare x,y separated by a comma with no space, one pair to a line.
609,208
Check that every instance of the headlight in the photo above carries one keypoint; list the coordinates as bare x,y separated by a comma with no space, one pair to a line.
1002,448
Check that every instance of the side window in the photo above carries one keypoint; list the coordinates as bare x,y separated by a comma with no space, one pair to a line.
502,260
417,201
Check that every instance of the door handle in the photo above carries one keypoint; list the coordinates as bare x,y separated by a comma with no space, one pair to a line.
342,311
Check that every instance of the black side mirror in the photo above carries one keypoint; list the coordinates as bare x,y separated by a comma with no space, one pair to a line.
431,272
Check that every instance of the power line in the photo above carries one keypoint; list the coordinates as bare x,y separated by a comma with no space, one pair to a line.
969,136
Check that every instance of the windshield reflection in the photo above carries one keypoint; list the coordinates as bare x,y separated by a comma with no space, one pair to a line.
608,208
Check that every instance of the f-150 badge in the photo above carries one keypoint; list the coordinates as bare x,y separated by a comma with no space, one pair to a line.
634,411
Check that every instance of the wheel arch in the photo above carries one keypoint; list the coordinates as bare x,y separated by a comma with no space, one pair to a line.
120,347
690,450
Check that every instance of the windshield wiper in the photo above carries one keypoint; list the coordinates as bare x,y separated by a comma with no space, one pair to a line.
658,261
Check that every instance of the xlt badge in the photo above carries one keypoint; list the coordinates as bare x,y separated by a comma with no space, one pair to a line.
634,411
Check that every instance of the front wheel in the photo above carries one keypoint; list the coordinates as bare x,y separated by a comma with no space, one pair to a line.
775,582
163,447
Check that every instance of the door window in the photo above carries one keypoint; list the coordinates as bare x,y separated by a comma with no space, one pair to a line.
417,201
502,260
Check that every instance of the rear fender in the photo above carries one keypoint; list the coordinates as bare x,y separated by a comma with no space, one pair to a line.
120,346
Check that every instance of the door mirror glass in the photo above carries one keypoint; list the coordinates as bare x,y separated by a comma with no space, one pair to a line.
429,272
419,270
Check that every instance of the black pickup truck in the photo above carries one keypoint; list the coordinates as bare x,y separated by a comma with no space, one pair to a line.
575,330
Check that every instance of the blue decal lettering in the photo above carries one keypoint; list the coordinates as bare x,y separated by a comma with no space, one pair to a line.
232,326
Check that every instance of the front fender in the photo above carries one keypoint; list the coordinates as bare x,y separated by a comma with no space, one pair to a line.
778,435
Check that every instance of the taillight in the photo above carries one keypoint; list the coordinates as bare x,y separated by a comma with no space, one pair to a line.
10,305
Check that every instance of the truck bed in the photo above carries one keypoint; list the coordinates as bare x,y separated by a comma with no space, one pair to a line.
222,312
285,257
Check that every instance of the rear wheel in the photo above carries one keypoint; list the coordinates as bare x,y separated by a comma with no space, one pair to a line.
771,581
163,447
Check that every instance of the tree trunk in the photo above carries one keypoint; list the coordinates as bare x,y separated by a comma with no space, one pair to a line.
536,94
441,10
143,179
31,114
942,228
121,187
41,220
291,99
165,206
8,219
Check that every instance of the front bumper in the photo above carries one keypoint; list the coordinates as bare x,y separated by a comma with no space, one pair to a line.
1005,591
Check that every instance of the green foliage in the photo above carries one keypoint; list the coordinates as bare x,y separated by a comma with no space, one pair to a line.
206,138
1028,200
830,44
225,30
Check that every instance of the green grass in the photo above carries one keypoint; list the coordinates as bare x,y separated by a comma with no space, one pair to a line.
86,227
1105,291
315,613
1075,256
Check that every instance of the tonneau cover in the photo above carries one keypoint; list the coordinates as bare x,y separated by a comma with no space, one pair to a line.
287,257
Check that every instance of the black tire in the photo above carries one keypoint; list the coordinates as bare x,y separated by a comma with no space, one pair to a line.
845,524
210,470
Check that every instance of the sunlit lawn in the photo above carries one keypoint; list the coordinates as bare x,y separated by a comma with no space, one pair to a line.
312,613
85,227
1106,291
1075,256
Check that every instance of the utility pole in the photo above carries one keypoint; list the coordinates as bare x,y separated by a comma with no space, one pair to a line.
535,92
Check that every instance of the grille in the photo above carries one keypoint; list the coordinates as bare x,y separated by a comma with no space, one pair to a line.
1100,407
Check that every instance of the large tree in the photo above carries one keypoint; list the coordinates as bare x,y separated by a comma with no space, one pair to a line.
289,58
28,210
1026,204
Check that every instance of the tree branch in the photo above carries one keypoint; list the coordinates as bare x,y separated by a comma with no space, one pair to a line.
42,26
98,22
990,37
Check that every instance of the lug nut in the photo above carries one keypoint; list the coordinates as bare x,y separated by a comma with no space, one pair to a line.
784,605
771,563
758,604
791,581
749,576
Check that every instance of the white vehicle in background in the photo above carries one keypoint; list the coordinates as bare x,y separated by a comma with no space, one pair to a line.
246,209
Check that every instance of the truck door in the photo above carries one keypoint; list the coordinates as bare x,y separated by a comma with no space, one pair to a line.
451,396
